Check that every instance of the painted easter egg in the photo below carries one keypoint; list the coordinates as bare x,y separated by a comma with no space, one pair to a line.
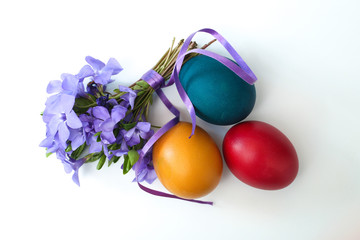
260,155
219,96
188,167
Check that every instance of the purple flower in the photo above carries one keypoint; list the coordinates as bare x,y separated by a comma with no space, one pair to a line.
58,114
52,144
105,123
141,129
77,137
73,165
128,97
71,84
123,147
104,72
144,169
58,128
89,132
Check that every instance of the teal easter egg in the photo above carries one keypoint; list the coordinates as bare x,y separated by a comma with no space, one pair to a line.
219,96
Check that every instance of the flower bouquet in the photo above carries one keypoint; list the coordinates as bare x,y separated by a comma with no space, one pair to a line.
83,117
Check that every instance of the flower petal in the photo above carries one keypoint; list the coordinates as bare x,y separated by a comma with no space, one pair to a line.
53,125
64,133
97,124
72,120
70,83
128,134
100,112
130,96
112,102
107,125
143,126
118,113
107,137
134,140
85,71
77,141
113,66
150,176
95,147
54,87
53,105
67,166
96,64
103,78
66,103
147,135
75,178
47,142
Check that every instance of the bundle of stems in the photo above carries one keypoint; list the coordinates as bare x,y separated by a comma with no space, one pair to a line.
165,68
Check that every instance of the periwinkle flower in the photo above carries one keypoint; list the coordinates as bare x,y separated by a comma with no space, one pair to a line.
77,137
141,129
129,97
58,128
123,146
102,72
70,165
105,122
144,169
70,84
89,132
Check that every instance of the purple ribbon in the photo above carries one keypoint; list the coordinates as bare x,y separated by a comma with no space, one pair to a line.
242,69
156,81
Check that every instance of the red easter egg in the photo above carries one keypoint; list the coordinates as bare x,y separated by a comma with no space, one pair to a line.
260,155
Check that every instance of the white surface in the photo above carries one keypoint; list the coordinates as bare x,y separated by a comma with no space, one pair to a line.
306,56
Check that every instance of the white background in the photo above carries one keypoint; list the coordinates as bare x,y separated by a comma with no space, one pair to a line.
306,56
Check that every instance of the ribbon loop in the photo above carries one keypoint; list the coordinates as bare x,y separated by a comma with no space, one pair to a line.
242,69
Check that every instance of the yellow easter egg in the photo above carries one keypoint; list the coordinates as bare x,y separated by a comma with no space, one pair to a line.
189,168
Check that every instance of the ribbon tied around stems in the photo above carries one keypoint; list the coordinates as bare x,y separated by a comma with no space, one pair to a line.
156,81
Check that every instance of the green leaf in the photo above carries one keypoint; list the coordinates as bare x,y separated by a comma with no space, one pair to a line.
126,165
129,160
68,148
116,132
95,157
128,126
116,91
137,87
114,159
142,84
97,134
76,154
48,154
101,162
91,97
82,105
141,93
83,102
133,156
139,145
